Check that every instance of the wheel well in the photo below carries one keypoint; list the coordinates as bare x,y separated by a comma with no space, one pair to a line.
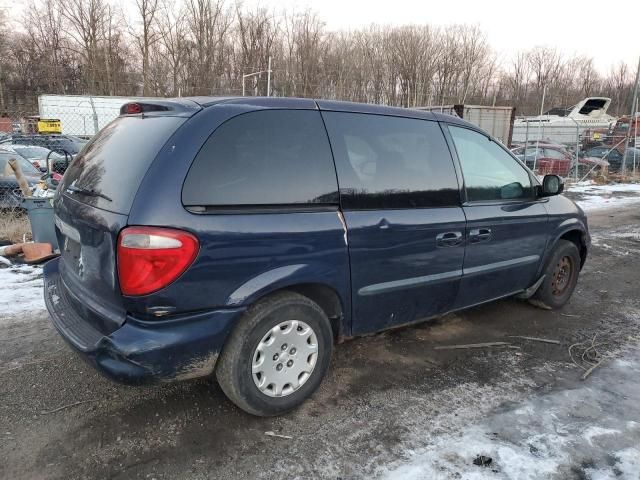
327,299
576,236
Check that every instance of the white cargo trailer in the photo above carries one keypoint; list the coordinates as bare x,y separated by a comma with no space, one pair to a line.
81,114
497,121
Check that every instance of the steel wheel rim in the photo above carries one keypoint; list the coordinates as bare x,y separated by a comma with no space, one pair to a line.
285,358
562,274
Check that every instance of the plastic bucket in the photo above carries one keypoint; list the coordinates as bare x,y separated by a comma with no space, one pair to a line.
40,212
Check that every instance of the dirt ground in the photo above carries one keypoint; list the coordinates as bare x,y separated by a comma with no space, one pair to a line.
392,406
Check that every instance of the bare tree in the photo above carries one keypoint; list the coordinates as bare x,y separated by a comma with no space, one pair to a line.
148,36
203,47
173,30
618,80
256,32
207,22
86,21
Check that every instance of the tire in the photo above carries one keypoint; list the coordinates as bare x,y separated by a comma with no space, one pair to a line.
561,277
241,355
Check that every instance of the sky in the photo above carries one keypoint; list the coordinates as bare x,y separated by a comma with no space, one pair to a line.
593,28
606,31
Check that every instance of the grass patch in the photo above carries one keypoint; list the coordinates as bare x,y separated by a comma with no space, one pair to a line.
14,226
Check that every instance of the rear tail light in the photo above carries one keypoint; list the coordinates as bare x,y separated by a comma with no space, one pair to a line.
150,258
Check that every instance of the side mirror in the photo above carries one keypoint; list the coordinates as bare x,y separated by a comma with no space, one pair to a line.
551,185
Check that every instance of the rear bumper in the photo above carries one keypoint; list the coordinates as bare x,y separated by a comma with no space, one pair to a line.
141,351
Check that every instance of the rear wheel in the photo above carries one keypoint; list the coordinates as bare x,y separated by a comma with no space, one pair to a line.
277,355
561,276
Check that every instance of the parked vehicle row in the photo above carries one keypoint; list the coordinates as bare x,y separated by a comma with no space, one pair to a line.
39,148
42,149
40,157
249,235
614,156
58,143
550,158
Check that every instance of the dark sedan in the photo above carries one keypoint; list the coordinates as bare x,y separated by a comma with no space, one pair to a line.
614,157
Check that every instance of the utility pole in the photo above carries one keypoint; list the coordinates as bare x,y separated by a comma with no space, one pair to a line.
631,117
535,159
269,78
267,71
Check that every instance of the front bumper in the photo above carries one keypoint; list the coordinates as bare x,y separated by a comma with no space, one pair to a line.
140,351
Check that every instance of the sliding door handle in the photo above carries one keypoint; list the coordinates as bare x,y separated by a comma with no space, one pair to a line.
477,235
449,239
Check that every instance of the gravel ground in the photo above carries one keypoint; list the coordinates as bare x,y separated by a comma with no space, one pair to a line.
392,405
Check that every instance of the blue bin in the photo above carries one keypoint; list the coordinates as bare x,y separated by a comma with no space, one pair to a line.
40,212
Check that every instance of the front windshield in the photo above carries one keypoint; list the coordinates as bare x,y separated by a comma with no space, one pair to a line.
26,166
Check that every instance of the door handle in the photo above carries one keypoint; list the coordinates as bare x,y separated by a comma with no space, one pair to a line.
480,235
449,239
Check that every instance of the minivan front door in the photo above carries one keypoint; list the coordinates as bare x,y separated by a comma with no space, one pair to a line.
506,229
401,205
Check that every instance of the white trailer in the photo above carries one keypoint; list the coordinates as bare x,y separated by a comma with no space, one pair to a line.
81,115
497,121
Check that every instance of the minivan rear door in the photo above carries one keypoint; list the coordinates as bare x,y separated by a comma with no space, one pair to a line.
400,201
92,206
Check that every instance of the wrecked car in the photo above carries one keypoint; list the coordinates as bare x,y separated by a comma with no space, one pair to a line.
244,237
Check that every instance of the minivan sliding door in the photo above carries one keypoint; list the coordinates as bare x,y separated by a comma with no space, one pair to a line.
400,200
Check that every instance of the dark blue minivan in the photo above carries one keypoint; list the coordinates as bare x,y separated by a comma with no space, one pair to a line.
245,236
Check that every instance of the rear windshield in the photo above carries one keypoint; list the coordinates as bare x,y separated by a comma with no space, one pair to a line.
114,162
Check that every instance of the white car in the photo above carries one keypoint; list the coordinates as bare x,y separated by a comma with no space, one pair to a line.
35,154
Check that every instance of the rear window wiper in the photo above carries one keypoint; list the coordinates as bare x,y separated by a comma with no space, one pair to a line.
86,191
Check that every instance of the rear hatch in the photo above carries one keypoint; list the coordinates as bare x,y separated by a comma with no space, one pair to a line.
92,206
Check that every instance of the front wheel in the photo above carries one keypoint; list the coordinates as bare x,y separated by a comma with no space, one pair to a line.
561,276
277,355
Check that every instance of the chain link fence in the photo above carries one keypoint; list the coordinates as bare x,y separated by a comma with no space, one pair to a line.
576,151
44,139
36,147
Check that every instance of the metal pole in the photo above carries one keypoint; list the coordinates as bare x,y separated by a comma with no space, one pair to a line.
544,94
95,116
633,113
535,159
635,139
577,147
269,78
243,77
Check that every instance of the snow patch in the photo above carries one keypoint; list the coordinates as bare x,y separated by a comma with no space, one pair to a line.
21,290
590,187
594,197
554,435
592,432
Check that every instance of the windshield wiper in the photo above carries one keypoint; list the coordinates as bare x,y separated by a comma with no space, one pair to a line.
86,191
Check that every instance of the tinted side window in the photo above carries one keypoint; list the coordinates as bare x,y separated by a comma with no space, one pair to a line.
489,172
391,162
268,157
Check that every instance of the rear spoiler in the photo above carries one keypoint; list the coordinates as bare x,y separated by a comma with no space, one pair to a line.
160,107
